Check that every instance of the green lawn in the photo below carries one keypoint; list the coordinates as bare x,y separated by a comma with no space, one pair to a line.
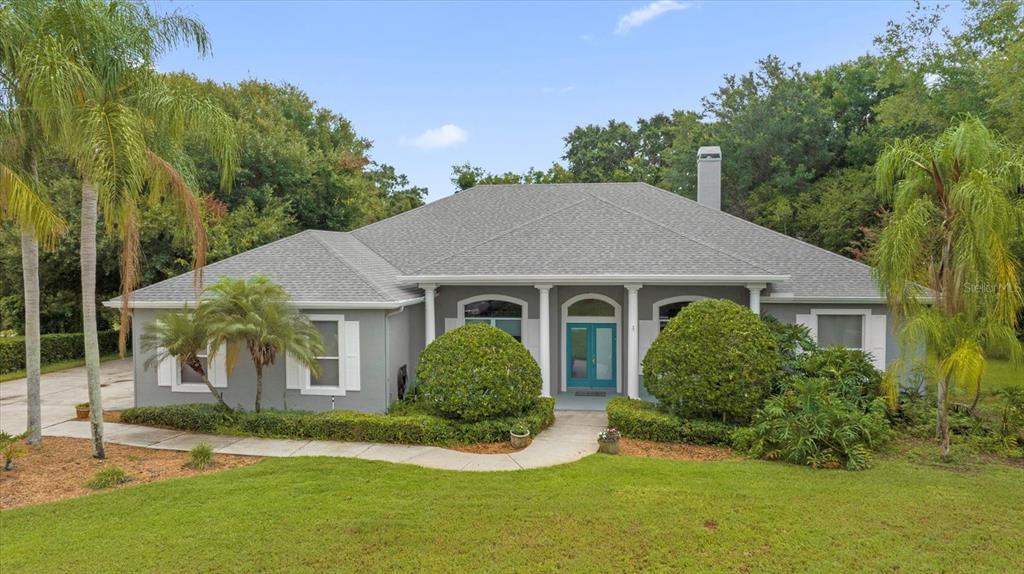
53,367
602,514
1000,374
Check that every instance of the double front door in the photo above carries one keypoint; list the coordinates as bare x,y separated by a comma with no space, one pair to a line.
590,355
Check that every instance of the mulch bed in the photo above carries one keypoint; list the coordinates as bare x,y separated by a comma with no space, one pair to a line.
487,448
62,467
674,451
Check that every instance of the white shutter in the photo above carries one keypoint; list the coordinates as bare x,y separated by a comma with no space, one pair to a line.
811,322
296,375
350,356
451,323
166,370
218,366
531,337
648,333
876,339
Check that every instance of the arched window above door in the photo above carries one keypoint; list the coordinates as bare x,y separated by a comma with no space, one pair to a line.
591,308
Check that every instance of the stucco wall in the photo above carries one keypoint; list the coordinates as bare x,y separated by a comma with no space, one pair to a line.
241,389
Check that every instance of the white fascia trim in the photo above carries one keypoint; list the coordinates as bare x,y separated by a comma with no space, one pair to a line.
299,304
594,279
777,298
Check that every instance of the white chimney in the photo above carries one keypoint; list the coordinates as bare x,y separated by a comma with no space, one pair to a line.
709,176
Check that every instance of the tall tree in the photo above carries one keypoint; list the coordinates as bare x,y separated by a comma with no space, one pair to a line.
954,223
123,126
22,195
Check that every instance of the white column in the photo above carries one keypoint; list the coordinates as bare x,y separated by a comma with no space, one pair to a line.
633,344
545,339
755,297
428,312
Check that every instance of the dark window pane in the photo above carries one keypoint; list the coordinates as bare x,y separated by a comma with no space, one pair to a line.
329,374
189,376
842,330
493,309
513,327
669,310
591,308
329,334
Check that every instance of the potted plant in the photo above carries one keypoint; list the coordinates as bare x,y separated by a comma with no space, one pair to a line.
608,441
82,410
520,434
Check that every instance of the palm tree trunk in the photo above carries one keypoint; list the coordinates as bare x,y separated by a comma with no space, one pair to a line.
259,385
92,345
942,422
198,367
30,277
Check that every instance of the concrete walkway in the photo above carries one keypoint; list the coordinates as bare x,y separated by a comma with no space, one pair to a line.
572,437
60,391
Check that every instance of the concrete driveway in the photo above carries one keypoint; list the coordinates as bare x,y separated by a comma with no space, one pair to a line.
62,390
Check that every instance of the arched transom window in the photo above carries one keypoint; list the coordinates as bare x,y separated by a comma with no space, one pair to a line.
591,308
505,315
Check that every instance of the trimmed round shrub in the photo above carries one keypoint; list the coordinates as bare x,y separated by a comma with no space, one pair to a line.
477,372
714,360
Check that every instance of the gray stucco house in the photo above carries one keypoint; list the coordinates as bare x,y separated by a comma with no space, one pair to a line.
584,275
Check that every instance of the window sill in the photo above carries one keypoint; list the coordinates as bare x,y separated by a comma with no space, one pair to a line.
190,388
323,391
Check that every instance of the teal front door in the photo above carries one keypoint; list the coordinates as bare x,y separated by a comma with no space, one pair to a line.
590,355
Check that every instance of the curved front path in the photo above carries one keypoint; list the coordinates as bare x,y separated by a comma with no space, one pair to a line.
572,437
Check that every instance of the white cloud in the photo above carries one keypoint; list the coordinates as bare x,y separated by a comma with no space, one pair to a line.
444,136
639,17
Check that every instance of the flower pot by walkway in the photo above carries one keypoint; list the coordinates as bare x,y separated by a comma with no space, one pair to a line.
571,438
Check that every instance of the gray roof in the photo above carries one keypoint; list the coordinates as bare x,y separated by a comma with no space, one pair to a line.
313,266
536,230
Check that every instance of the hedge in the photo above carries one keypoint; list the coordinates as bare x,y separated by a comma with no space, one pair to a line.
714,360
409,426
477,372
55,348
643,420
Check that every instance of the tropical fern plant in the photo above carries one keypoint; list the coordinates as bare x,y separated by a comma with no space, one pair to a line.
946,260
809,424
258,315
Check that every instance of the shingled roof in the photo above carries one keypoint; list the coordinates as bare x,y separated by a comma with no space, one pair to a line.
501,231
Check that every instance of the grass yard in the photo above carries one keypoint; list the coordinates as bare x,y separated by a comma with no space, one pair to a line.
54,367
1000,374
602,514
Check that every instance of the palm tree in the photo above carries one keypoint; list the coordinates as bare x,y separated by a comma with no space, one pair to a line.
179,335
22,198
951,234
90,75
258,314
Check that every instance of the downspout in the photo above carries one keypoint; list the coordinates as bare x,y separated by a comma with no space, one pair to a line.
387,367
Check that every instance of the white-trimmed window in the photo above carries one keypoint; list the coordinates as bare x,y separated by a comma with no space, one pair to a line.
339,362
841,331
666,309
330,361
182,378
850,328
505,313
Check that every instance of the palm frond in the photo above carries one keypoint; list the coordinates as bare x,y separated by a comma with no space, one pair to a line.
20,204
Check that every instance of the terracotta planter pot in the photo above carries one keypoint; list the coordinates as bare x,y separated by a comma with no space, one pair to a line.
520,440
608,447
82,412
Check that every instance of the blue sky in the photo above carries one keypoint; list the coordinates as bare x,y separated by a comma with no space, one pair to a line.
500,84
